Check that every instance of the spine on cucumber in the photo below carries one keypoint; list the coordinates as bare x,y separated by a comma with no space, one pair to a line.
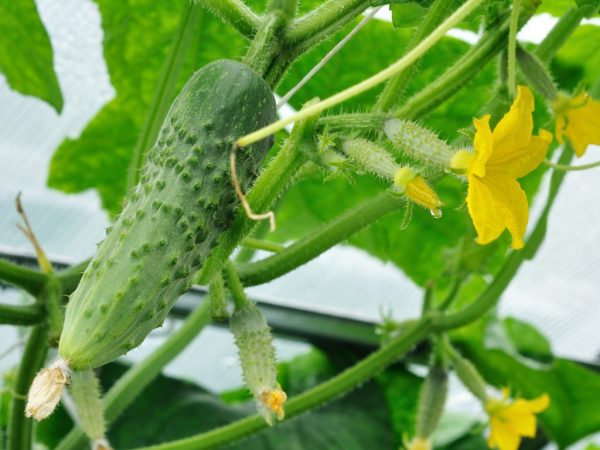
173,219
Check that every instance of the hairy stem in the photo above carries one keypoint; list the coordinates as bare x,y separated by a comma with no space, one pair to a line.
138,377
324,20
163,95
317,242
259,244
20,427
236,14
367,84
265,46
394,88
21,315
463,71
235,286
317,396
512,48
559,34
30,280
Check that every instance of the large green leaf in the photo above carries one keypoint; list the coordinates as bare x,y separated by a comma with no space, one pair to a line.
582,50
26,58
137,38
574,391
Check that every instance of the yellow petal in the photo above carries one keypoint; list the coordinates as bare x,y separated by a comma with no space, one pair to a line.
514,129
521,418
502,435
583,123
539,404
519,161
496,202
483,144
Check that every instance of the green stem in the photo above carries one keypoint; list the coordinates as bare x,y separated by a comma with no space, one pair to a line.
567,168
20,427
559,34
51,298
512,48
287,7
236,14
394,88
270,184
259,244
317,242
365,85
138,377
235,286
463,71
29,280
21,315
353,121
324,20
69,278
265,46
317,396
165,90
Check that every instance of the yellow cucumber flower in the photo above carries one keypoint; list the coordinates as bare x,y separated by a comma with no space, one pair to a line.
578,118
418,443
511,420
495,199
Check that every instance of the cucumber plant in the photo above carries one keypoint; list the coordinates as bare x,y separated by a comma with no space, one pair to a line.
195,197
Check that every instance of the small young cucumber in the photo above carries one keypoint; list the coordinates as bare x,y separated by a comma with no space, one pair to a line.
173,219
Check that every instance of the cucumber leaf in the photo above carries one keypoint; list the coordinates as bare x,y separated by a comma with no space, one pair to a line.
135,48
26,57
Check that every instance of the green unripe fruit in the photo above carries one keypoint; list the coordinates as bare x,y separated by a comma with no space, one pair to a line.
173,219
257,358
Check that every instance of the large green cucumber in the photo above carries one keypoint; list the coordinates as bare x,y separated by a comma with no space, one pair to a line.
173,218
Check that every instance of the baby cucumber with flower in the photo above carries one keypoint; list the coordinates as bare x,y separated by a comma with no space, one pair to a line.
173,219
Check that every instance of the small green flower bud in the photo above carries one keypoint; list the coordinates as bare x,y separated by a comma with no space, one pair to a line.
418,142
257,356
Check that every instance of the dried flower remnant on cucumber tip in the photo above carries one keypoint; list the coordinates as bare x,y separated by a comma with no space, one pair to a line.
257,357
46,390
495,199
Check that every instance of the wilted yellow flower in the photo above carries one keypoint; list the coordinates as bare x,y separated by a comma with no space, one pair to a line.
46,389
511,420
271,402
495,199
416,189
418,443
578,118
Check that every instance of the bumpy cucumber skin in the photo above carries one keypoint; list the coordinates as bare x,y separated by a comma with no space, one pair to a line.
173,219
